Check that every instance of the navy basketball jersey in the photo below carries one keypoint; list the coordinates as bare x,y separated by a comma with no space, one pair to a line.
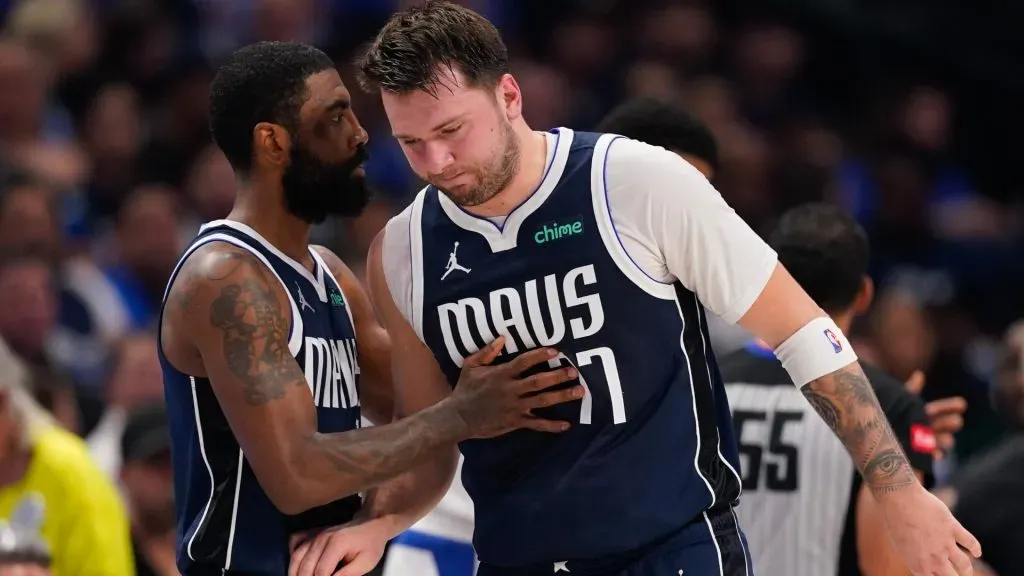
226,523
644,455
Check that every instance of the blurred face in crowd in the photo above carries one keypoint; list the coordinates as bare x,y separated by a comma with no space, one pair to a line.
113,128
459,137
148,234
27,219
29,309
137,378
211,184
904,335
22,92
150,488
325,175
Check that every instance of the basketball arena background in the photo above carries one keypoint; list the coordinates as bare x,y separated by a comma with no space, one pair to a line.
906,112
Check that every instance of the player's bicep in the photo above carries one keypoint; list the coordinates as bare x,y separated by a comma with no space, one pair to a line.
418,380
373,344
240,323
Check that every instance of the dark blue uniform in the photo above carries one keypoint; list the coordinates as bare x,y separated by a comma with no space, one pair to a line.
226,523
648,466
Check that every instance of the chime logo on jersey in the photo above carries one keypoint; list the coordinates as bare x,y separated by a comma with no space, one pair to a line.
470,323
331,369
556,231
834,340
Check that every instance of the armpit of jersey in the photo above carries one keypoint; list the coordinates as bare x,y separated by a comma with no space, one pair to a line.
675,225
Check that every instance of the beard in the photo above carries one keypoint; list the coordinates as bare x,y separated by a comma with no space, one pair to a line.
155,518
314,189
492,177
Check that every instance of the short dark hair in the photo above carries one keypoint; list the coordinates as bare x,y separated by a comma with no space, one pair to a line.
662,124
409,51
261,82
825,250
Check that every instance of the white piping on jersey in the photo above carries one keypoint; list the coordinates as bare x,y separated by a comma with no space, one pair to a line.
326,270
707,365
506,237
714,540
605,225
295,337
209,469
317,281
739,536
416,261
234,511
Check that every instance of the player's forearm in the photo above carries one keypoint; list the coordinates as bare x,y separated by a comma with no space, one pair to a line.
847,403
402,501
333,466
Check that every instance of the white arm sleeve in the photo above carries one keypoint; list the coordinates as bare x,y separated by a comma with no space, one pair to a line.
675,225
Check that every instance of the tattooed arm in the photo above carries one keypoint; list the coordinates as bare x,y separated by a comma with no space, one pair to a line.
234,315
844,399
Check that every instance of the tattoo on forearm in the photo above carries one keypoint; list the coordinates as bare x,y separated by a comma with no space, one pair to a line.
255,331
846,402
382,452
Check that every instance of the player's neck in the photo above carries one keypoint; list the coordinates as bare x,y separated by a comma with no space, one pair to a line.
284,231
533,160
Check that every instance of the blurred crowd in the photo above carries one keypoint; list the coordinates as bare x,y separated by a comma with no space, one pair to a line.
905,112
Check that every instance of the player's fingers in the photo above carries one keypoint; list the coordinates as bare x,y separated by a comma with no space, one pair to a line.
915,383
967,541
300,552
554,397
951,405
316,549
485,355
947,423
946,441
527,360
359,566
547,379
542,425
961,562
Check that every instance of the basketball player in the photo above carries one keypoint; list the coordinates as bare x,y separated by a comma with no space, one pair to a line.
797,526
606,246
264,339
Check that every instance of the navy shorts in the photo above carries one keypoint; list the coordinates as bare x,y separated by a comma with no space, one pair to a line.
710,545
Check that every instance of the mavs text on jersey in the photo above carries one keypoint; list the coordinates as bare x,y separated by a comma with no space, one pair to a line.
603,262
227,524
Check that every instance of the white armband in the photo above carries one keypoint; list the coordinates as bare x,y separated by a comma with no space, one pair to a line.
817,349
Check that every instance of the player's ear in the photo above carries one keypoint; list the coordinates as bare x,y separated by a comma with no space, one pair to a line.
510,98
271,144
865,297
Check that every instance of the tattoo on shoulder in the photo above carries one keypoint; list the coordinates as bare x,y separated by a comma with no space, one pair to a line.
847,403
254,329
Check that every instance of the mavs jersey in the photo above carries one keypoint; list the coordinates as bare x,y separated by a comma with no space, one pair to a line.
800,486
226,523
650,448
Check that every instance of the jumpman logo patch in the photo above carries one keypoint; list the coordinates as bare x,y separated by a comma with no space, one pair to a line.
302,299
453,264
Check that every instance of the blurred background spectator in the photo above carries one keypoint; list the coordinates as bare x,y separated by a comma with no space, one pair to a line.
906,113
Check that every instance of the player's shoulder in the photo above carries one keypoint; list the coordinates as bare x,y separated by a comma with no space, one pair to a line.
635,159
753,366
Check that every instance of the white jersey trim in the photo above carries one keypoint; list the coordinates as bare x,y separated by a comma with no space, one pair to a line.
606,225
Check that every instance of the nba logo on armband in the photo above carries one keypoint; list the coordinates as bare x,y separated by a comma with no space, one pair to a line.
834,341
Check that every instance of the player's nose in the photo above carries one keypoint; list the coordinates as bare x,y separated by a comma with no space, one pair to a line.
438,157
